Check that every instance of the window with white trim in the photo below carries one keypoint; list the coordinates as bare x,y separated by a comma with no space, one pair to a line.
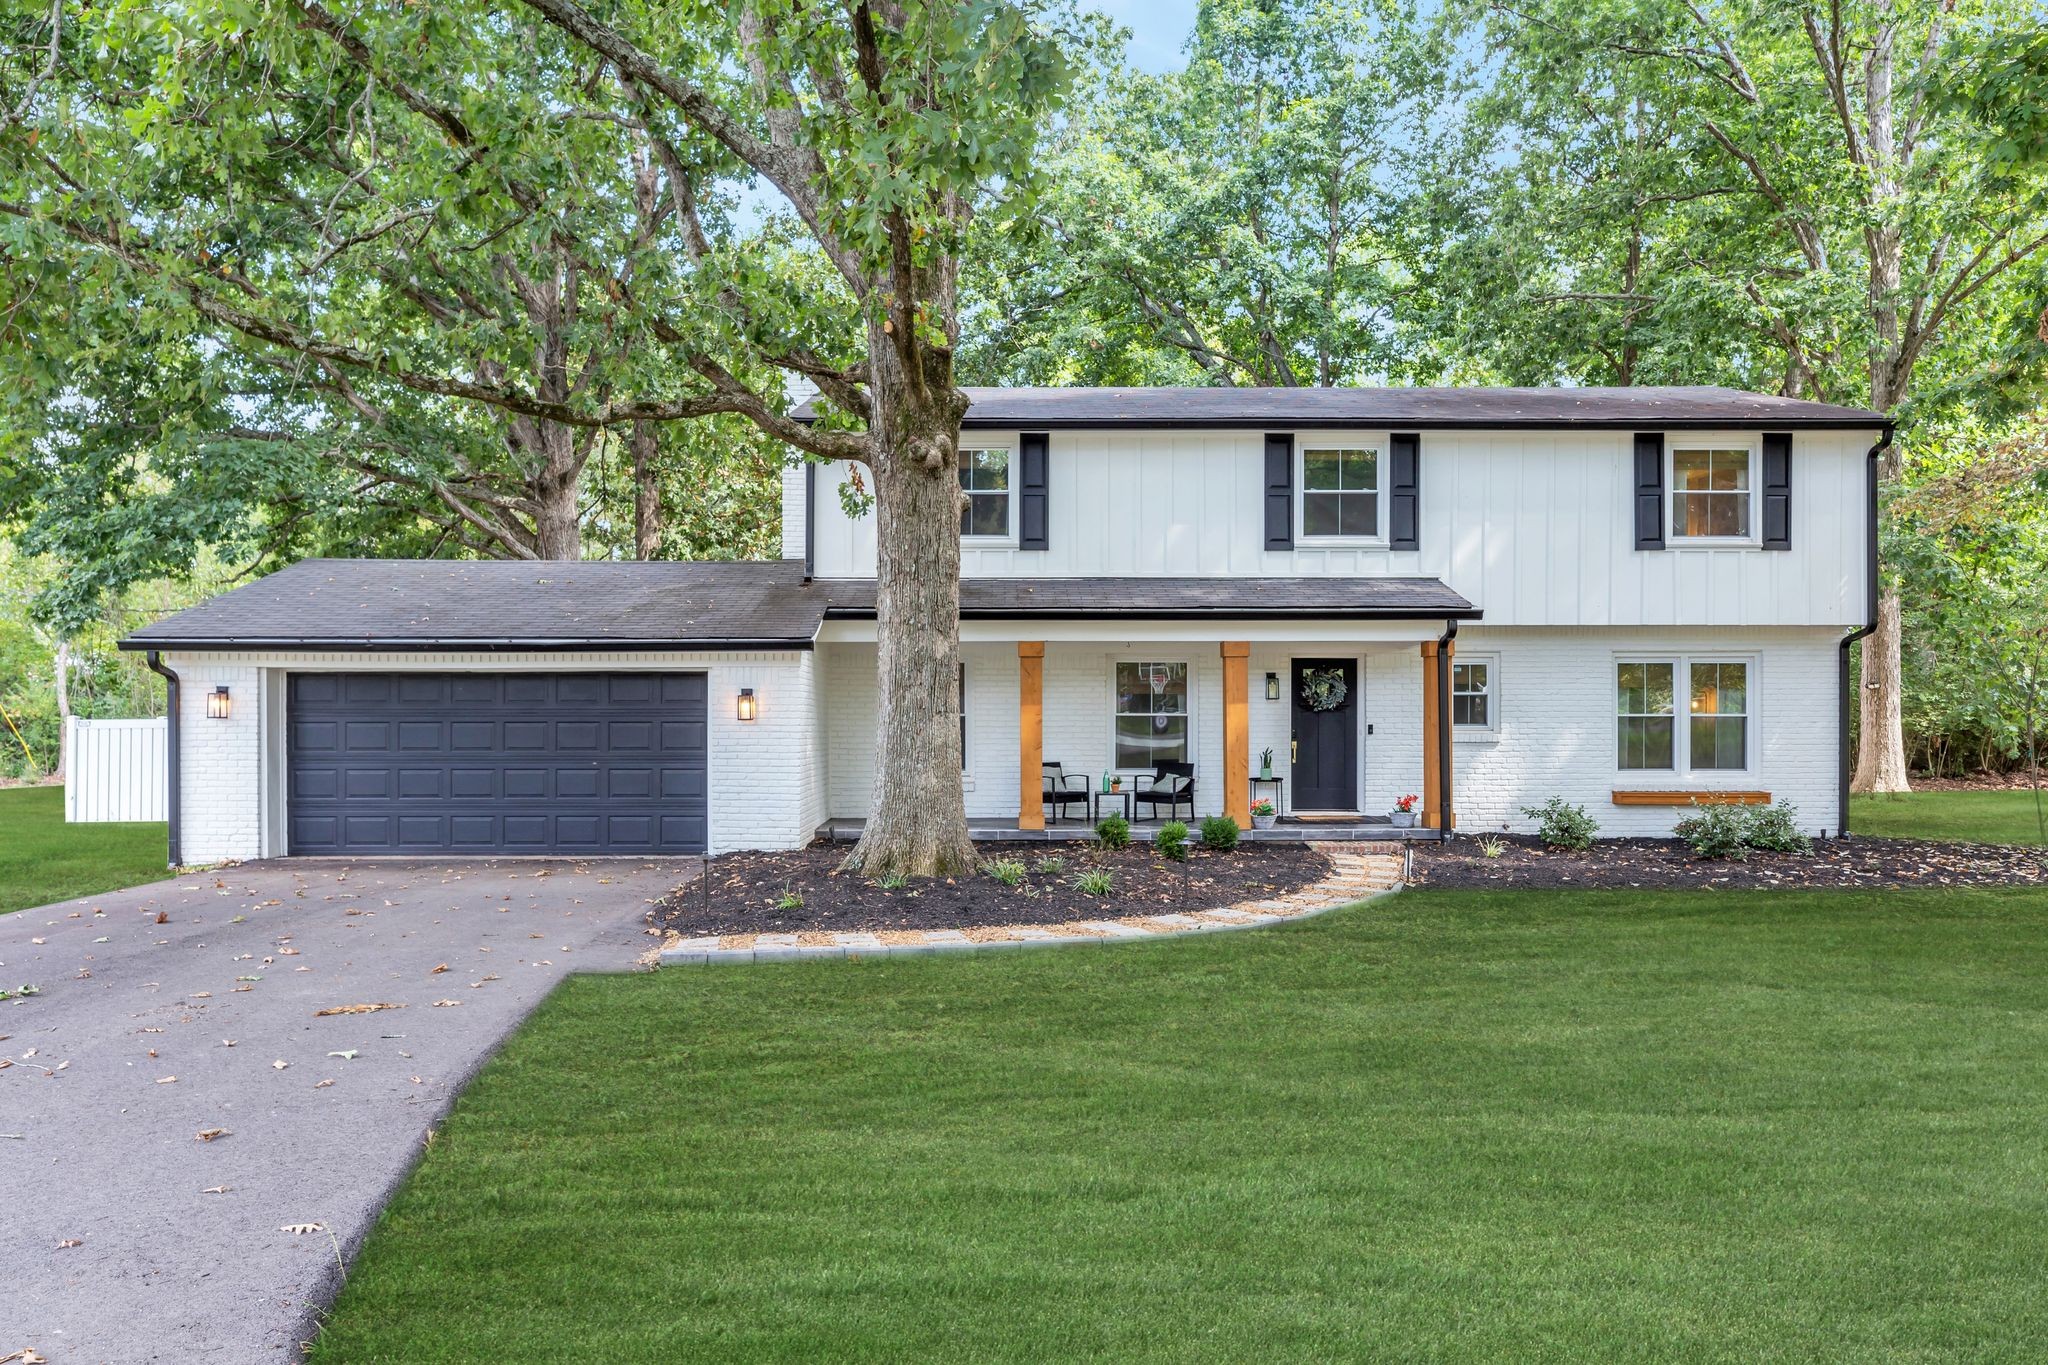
985,479
1472,692
1340,490
1715,737
1151,722
1710,492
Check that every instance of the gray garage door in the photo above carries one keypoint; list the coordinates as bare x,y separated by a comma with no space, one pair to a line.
496,762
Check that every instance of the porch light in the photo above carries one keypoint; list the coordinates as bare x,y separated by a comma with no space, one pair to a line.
747,708
1272,687
217,703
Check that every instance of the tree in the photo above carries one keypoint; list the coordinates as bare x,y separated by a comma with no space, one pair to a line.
537,243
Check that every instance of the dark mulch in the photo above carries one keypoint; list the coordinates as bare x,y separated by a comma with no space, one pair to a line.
2020,781
743,893
1667,864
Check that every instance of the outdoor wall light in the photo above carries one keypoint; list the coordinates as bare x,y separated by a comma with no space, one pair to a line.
217,703
748,710
1272,687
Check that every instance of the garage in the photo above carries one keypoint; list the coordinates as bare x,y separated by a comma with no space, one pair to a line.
430,763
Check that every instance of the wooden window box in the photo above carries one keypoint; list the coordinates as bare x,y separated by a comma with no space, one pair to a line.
1704,798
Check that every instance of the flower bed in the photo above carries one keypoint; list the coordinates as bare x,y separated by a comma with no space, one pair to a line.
1669,864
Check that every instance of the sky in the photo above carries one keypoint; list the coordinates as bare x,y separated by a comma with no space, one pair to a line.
1158,30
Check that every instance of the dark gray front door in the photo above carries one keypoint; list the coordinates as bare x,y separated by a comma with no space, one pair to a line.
496,762
1326,741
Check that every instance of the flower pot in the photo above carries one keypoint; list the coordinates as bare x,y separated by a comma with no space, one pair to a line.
1265,772
1403,819
1263,821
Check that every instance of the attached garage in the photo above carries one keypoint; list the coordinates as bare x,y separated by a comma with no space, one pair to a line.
598,763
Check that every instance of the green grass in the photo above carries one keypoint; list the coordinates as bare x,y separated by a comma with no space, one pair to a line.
1443,1126
1985,817
42,859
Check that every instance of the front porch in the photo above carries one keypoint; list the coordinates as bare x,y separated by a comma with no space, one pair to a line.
1007,829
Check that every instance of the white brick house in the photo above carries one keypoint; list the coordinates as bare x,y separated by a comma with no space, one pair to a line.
1644,596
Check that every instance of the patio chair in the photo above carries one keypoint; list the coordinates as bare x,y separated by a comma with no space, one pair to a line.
1063,788
1170,785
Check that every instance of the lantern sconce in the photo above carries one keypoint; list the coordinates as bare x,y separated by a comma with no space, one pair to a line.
748,710
1272,687
217,703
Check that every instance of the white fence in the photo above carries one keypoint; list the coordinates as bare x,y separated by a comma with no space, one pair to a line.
117,770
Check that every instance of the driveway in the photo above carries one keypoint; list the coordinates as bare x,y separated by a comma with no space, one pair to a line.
125,1236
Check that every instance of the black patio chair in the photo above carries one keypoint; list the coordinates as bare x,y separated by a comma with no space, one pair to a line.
1171,784
1063,788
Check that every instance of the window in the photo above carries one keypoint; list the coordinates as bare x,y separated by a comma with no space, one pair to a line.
1472,694
1716,734
1340,491
985,478
1151,714
1710,493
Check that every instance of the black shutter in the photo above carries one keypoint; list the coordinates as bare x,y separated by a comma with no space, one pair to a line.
1404,489
1280,490
1032,449
1777,488
1649,490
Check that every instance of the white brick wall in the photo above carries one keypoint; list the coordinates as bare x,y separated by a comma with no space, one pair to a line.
220,778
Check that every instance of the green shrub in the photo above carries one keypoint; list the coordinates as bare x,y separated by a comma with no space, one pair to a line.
1008,871
1492,846
1114,831
1563,825
1219,832
1095,883
1776,828
1051,865
791,900
1716,831
1173,840
895,881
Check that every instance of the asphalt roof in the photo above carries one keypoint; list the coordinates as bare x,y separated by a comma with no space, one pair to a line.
414,604
1491,409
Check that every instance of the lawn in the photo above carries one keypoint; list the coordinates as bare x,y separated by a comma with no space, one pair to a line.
1443,1126
42,859
1989,817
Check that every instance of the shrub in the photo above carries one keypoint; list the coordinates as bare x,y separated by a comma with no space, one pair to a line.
1776,828
1114,831
895,881
1492,846
1008,871
791,900
1173,840
1563,825
1051,865
1220,833
1095,883
1716,831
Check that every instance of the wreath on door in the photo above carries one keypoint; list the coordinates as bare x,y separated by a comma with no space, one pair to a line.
1324,689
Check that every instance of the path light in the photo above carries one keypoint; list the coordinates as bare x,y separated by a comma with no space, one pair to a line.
1272,687
747,708
217,703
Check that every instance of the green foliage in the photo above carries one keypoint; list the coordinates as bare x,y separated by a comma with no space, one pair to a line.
789,900
1775,829
892,881
1095,882
1492,846
1172,841
1563,825
1220,833
1008,871
1113,831
1716,832
1051,865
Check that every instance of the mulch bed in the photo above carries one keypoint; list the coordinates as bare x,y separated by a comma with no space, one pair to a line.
2019,781
1667,864
745,893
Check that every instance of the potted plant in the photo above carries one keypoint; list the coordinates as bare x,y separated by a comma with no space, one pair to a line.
1263,815
1404,812
1265,764
1116,784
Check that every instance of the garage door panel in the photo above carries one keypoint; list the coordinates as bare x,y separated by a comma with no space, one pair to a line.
535,762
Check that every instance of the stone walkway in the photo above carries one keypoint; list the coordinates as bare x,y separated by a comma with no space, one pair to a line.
1358,872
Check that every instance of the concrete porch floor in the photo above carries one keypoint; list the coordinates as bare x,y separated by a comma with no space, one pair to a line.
1287,830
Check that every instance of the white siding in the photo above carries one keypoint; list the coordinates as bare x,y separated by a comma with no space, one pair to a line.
115,771
1537,528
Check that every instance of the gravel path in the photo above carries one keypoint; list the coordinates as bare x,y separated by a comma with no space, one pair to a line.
130,1237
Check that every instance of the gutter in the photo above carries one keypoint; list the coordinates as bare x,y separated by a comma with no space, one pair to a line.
1447,810
416,645
1862,632
171,747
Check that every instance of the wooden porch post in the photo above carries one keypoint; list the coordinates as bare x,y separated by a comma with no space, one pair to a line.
1237,732
1030,734
1432,720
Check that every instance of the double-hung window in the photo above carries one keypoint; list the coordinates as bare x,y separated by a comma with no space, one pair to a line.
1472,684
985,479
1151,714
1340,489
1716,734
1710,491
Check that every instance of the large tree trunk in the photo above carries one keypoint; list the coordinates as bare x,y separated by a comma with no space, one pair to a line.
557,528
1881,746
646,492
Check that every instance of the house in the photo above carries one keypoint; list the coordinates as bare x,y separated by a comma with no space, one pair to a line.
1629,598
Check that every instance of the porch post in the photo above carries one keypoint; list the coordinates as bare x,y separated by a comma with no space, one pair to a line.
1237,732
1435,685
1030,734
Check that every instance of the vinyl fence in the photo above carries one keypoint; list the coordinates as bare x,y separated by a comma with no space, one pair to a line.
117,771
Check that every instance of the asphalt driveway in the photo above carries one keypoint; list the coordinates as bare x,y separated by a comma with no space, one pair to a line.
186,1008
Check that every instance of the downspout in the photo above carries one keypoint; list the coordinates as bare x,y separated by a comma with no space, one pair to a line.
1444,642
1845,774
810,520
156,665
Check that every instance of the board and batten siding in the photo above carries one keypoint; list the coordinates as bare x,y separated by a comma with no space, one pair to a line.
116,770
1535,527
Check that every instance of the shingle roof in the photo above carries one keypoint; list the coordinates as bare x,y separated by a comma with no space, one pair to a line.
1170,599
1649,408
488,604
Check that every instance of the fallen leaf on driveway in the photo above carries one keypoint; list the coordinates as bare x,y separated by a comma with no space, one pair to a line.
163,917
227,1042
27,1355
216,1189
322,1085
301,1229
200,995
36,941
438,970
347,1056
70,1242
442,1004
355,1009
165,1080
209,1134
279,1064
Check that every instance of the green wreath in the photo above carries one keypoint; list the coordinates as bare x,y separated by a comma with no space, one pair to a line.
1324,689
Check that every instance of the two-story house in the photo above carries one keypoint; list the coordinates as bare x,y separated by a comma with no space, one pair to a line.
1629,598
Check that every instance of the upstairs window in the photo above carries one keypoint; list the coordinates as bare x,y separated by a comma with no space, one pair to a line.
1151,714
1340,491
985,478
1710,493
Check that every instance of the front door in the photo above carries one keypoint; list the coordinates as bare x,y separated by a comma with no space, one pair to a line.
1326,705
